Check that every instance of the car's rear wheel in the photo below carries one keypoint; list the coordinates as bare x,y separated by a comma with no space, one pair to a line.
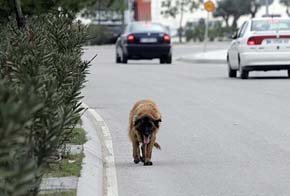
288,73
231,72
166,59
124,58
169,59
118,58
162,60
244,74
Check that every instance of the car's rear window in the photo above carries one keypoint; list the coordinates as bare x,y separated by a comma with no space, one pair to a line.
271,25
144,27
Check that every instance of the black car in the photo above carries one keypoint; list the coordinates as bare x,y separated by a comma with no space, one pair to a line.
144,40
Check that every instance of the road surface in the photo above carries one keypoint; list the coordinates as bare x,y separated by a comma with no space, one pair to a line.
219,136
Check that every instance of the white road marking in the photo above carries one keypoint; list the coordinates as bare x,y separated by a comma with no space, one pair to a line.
110,174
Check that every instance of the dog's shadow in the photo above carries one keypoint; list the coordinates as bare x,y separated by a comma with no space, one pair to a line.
157,163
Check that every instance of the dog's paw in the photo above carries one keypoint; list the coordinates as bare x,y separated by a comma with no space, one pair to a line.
148,163
136,161
142,159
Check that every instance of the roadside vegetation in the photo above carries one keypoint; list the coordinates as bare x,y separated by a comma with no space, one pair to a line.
78,136
41,77
69,163
226,16
68,166
103,34
66,193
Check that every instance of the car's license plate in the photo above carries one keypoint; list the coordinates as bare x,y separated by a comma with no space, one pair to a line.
148,40
277,41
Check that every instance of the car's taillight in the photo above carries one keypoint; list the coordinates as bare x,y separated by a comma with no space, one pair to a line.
130,38
257,40
166,38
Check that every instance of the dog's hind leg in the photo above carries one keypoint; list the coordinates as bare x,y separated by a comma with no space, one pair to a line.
136,152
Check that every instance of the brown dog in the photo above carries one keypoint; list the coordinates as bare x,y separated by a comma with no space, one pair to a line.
144,123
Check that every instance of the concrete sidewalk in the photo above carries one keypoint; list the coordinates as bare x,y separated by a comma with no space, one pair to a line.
214,56
98,175
59,184
90,182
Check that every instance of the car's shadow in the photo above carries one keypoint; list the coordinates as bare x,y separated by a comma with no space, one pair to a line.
144,64
269,78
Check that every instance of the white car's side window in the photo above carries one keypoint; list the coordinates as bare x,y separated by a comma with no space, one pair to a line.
243,30
240,30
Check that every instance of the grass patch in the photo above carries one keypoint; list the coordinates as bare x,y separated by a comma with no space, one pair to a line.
65,167
61,193
70,165
78,136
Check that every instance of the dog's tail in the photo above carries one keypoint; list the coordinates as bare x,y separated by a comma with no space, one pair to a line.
157,146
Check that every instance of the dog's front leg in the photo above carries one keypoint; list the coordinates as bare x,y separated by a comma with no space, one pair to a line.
143,153
136,152
148,152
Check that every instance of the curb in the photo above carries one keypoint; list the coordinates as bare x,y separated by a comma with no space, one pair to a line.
59,184
101,138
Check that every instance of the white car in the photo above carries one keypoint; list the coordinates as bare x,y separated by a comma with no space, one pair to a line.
261,44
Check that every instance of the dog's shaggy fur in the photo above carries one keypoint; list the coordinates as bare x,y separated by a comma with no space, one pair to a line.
144,122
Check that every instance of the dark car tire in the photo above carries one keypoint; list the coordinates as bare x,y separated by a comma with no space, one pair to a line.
166,59
231,72
244,74
118,59
169,59
288,73
124,58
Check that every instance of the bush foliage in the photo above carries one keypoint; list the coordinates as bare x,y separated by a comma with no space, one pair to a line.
43,67
103,34
195,32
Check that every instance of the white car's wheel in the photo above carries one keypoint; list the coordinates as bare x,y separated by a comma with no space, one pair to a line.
231,72
244,74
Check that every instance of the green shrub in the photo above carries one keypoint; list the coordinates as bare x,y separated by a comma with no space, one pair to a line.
103,34
19,171
196,31
45,57
78,136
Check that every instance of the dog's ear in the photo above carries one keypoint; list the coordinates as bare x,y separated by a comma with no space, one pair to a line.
156,122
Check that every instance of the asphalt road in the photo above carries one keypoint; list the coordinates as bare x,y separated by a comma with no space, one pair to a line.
219,136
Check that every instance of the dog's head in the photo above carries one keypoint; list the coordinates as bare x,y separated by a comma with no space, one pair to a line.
146,126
